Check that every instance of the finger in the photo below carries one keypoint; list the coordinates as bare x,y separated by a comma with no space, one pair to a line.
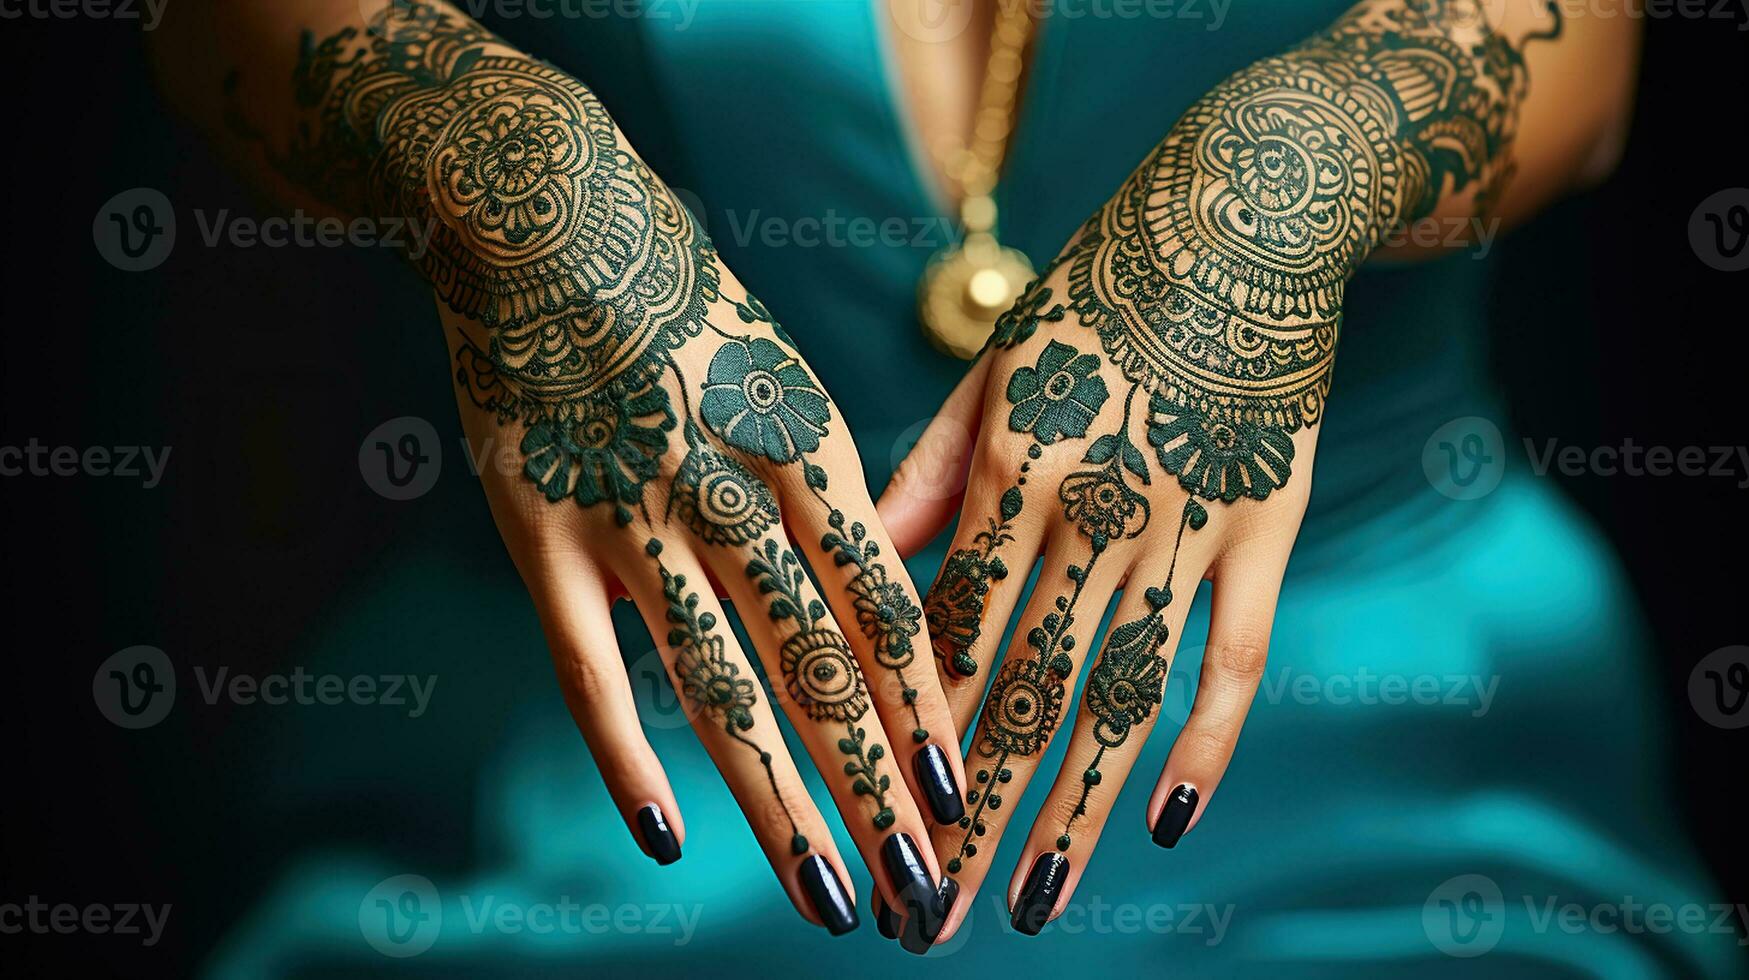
573,605
833,519
927,489
720,690
1027,697
821,688
1247,582
981,582
1118,710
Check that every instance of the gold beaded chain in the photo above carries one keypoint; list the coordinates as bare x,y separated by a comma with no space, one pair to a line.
967,286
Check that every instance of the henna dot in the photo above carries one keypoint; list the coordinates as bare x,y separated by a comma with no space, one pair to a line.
706,621
1063,842
884,819
798,844
1005,775
1034,451
965,823
983,776
654,548
919,736
1091,777
953,865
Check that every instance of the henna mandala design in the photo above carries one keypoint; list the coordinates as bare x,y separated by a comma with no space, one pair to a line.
1023,707
822,676
720,500
582,268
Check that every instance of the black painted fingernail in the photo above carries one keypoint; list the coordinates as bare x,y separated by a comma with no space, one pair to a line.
939,788
1039,895
1180,807
1043,884
820,881
886,920
922,899
945,896
660,841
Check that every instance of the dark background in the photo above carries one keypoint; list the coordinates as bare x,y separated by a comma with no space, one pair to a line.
264,369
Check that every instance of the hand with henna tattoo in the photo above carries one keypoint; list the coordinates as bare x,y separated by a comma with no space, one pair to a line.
667,434
1148,410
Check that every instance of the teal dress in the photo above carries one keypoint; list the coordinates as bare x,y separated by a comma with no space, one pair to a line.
1454,741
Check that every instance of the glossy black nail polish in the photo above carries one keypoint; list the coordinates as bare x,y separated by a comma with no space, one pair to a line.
939,788
658,839
920,895
820,881
945,896
1180,807
886,920
1043,884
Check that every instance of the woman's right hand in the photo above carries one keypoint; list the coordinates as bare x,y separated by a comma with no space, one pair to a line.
668,434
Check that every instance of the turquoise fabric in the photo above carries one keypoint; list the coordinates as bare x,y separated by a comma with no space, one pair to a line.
1341,825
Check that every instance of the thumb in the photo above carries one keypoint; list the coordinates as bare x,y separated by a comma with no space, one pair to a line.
927,488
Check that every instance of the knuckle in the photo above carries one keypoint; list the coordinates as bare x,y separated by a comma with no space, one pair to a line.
1207,743
1243,655
1058,810
588,678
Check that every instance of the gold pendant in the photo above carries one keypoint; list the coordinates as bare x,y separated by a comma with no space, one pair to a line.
966,288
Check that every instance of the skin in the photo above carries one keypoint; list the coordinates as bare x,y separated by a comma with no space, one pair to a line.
1161,385
667,433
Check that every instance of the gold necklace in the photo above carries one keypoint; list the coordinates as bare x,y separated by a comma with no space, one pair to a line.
967,286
